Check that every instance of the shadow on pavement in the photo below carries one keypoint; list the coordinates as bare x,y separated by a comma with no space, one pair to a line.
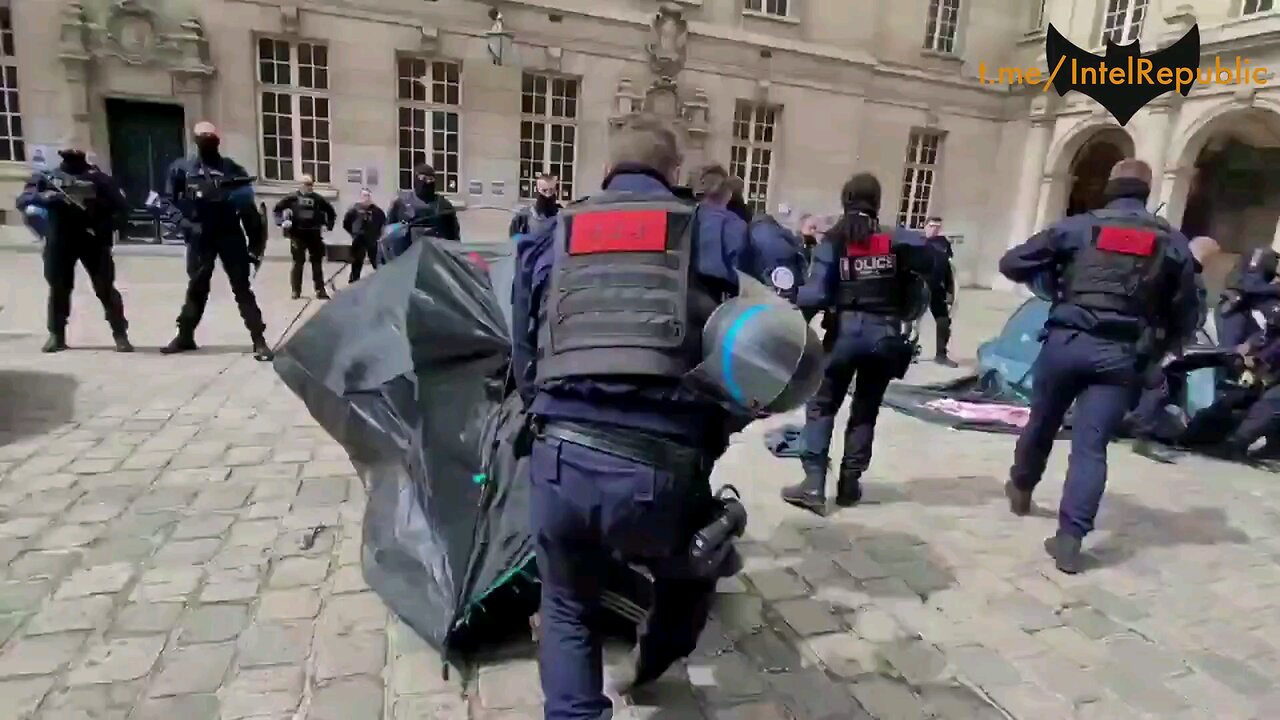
34,403
1133,525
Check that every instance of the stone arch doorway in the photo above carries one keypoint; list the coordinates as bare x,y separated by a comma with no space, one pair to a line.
1092,165
1227,183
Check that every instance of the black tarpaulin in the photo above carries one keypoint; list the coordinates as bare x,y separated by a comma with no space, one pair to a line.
407,370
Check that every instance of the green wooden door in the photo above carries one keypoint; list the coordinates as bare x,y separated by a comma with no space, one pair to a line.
145,139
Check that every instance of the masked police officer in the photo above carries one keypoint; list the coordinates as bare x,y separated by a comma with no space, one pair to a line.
364,222
874,279
424,210
1250,283
546,205
304,215
942,289
1125,294
623,450
81,208
213,199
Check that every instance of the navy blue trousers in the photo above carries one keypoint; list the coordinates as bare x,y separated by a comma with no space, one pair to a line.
1149,419
851,361
588,507
1098,377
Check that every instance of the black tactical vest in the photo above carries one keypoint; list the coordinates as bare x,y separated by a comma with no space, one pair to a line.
80,190
1119,269
306,213
870,279
623,300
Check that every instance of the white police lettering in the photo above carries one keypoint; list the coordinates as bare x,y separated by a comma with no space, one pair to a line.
874,266
782,278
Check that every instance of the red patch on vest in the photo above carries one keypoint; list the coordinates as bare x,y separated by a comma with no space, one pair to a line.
1127,241
880,244
617,231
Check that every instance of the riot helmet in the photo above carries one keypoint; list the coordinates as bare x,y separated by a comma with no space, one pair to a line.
760,357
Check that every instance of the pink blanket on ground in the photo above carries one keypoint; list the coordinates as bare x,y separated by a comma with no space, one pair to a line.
980,412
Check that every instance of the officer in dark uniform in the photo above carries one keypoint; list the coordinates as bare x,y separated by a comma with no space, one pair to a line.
304,215
1250,282
1125,295
623,452
364,222
82,208
425,211
942,289
875,280
738,202
545,207
212,197
1148,420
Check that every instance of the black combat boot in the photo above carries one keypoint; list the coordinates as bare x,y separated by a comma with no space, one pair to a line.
261,350
811,494
1065,550
849,486
122,342
1019,500
297,294
184,341
322,294
943,340
57,342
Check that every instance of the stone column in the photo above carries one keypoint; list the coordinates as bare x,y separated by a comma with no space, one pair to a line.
1174,187
1048,208
1031,179
1156,147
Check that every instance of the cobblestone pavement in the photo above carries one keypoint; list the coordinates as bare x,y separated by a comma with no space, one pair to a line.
160,560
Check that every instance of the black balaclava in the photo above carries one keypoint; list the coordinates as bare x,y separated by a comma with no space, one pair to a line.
1126,187
424,182
546,205
207,147
74,161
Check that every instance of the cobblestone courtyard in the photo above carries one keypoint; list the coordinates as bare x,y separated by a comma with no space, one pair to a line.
179,540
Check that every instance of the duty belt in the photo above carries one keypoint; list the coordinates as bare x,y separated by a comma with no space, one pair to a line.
630,445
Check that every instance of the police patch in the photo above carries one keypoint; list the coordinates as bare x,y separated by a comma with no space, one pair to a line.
782,278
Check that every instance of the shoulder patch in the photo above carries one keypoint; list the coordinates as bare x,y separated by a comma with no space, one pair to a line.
782,278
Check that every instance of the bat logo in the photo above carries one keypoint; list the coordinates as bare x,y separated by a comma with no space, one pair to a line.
1123,80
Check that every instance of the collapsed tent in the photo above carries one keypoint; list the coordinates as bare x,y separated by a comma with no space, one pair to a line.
994,398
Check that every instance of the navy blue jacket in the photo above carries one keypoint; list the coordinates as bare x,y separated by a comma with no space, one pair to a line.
1041,258
775,256
661,406
1255,276
237,217
102,216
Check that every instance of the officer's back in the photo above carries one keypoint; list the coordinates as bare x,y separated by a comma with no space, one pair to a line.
1115,272
718,226
653,398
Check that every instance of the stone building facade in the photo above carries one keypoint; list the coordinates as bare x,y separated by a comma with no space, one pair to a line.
793,95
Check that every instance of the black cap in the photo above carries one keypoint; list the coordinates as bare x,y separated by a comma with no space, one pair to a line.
424,169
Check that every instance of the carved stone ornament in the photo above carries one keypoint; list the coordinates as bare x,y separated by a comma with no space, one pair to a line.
670,33
133,32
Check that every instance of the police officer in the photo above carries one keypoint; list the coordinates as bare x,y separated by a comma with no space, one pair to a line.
545,206
1250,282
874,279
1147,421
304,215
737,200
79,208
213,200
427,212
942,289
713,188
364,222
623,451
1125,295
